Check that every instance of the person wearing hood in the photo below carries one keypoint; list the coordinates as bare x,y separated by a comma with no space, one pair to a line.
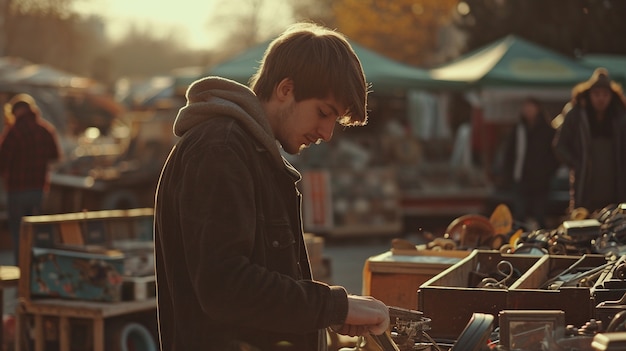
591,141
28,146
529,164
231,265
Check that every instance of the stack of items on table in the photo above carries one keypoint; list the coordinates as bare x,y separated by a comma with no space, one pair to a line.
492,300
602,232
541,290
101,257
86,280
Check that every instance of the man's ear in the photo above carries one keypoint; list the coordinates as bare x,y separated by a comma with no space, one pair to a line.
284,89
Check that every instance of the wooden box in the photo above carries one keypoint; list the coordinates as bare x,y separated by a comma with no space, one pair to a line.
394,279
530,291
450,298
76,275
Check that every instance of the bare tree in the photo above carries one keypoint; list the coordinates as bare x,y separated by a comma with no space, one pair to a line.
245,23
317,11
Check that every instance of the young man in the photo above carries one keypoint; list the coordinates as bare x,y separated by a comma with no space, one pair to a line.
28,146
592,143
232,268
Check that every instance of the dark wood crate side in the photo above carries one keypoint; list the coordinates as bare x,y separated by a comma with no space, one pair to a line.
450,309
528,293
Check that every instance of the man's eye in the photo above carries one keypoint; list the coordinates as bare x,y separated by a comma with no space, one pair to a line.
322,114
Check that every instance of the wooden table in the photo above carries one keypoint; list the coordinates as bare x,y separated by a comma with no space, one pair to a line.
9,277
64,309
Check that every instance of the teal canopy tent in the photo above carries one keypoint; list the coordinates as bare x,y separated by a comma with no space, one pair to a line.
382,72
514,62
615,64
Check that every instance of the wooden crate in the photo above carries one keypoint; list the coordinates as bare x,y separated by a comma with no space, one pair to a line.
528,292
450,298
81,231
395,278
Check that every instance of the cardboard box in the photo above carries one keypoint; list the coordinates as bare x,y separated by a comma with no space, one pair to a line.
450,298
394,279
76,275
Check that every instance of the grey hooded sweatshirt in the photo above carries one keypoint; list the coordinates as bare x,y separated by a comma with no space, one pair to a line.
232,268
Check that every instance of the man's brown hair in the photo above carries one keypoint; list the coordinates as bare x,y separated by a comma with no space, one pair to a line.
321,63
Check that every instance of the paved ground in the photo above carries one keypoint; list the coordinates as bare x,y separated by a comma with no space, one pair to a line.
348,257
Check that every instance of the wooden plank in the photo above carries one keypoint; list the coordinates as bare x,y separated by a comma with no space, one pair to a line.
87,309
534,276
71,233
78,216
64,333
19,327
26,239
98,334
39,333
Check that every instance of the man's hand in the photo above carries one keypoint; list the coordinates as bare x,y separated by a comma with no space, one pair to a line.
366,315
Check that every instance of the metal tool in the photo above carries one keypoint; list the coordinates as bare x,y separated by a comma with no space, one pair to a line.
407,327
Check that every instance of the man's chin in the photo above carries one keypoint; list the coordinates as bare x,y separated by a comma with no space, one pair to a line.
302,147
294,151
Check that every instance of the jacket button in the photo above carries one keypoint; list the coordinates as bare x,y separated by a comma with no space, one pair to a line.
275,243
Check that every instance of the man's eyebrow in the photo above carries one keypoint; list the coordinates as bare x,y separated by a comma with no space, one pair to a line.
332,107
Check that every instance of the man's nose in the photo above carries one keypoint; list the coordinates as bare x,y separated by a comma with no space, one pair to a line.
326,129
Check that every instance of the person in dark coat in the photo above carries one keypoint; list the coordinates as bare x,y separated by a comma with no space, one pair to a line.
28,147
231,264
591,141
529,163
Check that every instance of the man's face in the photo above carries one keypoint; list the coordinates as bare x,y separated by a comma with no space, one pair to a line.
600,99
306,122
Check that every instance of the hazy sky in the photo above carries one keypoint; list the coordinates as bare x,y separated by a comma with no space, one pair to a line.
188,18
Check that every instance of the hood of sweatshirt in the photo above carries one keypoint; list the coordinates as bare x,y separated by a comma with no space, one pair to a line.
218,97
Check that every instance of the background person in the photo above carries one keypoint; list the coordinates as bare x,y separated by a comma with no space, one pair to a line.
591,141
529,163
28,146
231,264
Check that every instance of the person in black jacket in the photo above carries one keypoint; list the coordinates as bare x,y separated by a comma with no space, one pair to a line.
530,164
29,147
231,265
591,141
